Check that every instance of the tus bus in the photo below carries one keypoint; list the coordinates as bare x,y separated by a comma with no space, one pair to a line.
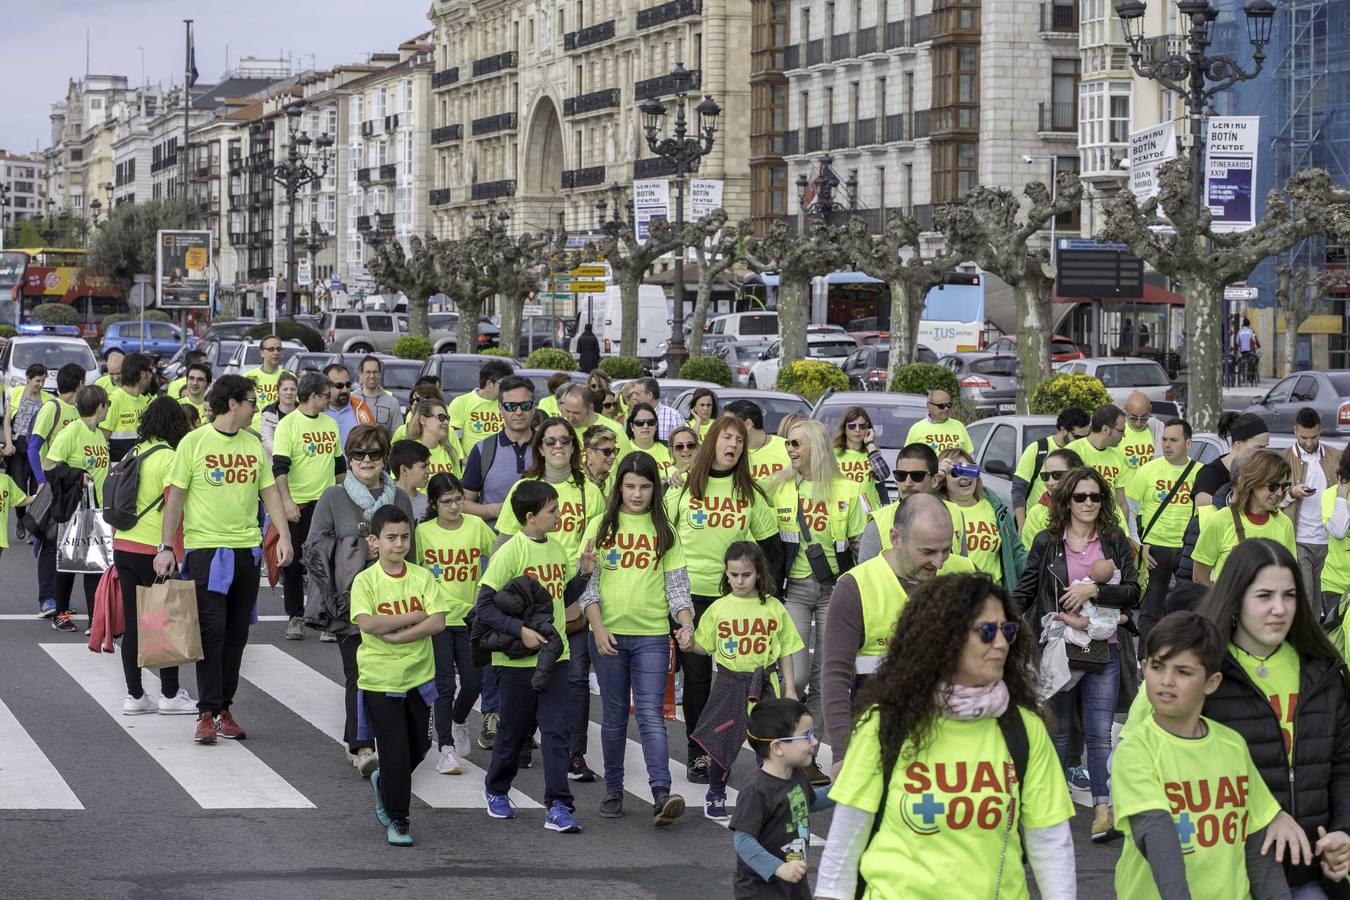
32,276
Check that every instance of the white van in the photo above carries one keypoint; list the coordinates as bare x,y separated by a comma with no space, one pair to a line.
605,313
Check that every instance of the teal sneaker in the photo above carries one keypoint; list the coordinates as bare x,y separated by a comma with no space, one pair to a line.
398,834
380,813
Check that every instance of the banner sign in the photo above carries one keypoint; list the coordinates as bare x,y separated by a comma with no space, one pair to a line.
651,200
1149,149
1230,171
183,269
705,195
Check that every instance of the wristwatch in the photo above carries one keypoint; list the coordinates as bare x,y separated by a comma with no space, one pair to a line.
163,548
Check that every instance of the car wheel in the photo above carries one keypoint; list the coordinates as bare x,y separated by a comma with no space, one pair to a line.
360,348
754,384
446,348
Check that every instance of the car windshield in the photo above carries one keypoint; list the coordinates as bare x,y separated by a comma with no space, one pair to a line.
52,354
400,378
253,354
442,321
830,349
775,408
224,350
1033,433
459,377
1003,366
892,422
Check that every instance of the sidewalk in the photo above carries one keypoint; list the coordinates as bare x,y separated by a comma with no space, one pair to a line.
1241,397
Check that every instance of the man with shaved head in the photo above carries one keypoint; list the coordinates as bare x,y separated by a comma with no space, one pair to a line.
1141,444
867,602
939,430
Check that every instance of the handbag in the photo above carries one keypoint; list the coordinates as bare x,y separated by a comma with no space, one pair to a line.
1092,658
168,629
85,543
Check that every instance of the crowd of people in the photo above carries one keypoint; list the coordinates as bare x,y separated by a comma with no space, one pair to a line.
499,549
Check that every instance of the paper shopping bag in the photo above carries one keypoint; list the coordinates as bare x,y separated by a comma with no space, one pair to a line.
166,621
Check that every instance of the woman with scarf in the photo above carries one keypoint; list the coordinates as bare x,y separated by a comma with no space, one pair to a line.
337,550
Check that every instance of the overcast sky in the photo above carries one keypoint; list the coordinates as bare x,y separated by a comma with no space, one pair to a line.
45,44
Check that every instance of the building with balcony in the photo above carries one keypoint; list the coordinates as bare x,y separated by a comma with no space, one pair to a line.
536,110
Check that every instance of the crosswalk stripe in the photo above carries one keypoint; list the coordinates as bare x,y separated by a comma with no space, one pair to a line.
28,780
226,776
320,701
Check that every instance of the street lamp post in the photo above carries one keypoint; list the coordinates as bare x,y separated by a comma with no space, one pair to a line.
823,205
293,173
4,211
314,240
684,153
1029,158
95,207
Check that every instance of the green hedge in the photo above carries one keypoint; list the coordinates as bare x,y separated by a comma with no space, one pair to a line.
551,358
622,367
8,331
1063,390
410,346
288,330
707,368
55,314
811,378
920,378
496,351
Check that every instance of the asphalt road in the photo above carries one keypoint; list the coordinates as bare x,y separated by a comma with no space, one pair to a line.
95,804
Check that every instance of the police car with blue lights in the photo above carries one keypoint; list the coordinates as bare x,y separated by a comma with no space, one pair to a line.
51,345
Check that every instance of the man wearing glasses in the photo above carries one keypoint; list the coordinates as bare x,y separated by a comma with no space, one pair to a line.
382,403
1163,489
1143,437
475,415
218,475
940,431
348,411
494,465
578,407
1027,485
265,378
916,472
1101,451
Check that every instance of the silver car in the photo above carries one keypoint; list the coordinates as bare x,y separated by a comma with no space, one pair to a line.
1327,392
988,380
1123,375
892,415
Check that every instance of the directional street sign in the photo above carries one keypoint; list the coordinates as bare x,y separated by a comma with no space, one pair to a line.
589,272
585,287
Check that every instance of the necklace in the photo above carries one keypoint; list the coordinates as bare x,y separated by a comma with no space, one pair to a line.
1261,670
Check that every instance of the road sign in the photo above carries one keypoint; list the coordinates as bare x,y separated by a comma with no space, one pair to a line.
336,284
590,272
1239,292
532,309
585,287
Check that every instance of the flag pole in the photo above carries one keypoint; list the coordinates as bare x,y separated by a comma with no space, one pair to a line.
188,65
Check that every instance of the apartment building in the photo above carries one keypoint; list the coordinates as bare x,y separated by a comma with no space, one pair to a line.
24,181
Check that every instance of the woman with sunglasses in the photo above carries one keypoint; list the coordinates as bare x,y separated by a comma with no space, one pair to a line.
285,404
683,450
602,448
1246,433
1083,528
1253,511
336,551
430,427
424,391
702,411
641,427
1057,464
855,446
983,529
955,693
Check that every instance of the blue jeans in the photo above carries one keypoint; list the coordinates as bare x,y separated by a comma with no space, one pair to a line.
578,689
641,666
489,691
1095,697
452,651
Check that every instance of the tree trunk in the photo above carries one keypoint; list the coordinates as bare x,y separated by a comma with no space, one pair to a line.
906,310
417,314
1204,355
1033,339
513,305
701,301
466,329
628,305
794,307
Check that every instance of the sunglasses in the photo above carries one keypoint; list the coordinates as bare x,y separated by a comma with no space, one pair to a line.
342,385
1048,477
644,423
940,405
251,401
1139,420
1278,487
276,349
374,455
988,631
794,445
608,404
914,475
441,417
563,441
681,448
1087,497
857,426
517,405
607,452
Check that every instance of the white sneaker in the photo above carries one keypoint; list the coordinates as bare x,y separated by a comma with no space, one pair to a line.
179,704
146,704
460,734
449,764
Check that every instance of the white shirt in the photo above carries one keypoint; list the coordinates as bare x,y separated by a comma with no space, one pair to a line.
1309,528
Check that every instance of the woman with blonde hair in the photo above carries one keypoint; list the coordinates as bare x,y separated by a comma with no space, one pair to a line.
1253,511
430,427
982,527
788,422
683,450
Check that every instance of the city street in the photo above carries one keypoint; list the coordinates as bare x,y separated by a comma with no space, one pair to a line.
99,804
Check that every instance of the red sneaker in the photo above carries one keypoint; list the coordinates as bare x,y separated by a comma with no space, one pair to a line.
228,728
206,729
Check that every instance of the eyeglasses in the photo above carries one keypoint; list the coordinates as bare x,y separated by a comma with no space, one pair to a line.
563,441
1088,497
914,475
374,455
989,630
1279,487
682,448
809,736
517,405
451,501
1114,428
342,385
1048,477
275,348
606,452
644,423
794,445
939,405
857,426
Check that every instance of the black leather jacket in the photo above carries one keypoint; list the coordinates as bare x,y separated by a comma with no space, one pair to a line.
1046,577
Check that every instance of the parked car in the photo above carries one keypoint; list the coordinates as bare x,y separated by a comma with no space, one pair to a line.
830,348
444,328
892,415
1123,375
774,404
399,377
988,380
229,330
52,345
162,339
218,352
537,332
1062,349
362,331
740,356
247,355
458,372
867,366
746,325
1327,392
540,378
310,362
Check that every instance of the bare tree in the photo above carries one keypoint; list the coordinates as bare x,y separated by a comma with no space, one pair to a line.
469,283
1297,295
987,228
717,247
517,267
415,274
629,259
796,259
1185,247
896,256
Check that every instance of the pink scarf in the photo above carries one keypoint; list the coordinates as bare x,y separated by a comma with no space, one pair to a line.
968,703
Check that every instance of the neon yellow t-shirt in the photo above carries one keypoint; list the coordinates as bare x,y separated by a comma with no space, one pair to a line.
53,418
1279,684
975,536
84,448
267,390
839,516
475,418
1109,463
576,509
11,496
947,806
547,563
1212,791
550,406
940,436
175,388
1038,517
223,475
400,434
105,381
382,666
1336,572
1026,469
743,634
154,475
454,557
856,466
632,578
765,464
1151,484
708,526
199,407
313,446
123,419
1137,448
441,461
660,455
16,398
1218,537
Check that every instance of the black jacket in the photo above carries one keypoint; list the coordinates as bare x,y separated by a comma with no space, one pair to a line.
1317,790
522,600
588,351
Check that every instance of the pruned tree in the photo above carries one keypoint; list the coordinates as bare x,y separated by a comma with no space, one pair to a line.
897,257
124,244
1185,247
517,267
717,247
1297,295
629,259
468,282
991,229
796,259
415,274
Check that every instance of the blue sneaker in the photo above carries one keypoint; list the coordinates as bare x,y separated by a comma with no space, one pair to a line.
560,819
1078,778
397,834
47,608
499,806
715,808
380,814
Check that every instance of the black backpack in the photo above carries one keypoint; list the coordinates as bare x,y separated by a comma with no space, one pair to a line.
120,487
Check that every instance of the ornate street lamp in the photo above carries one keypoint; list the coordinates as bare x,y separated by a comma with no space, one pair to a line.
306,161
683,152
616,224
823,205
313,240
